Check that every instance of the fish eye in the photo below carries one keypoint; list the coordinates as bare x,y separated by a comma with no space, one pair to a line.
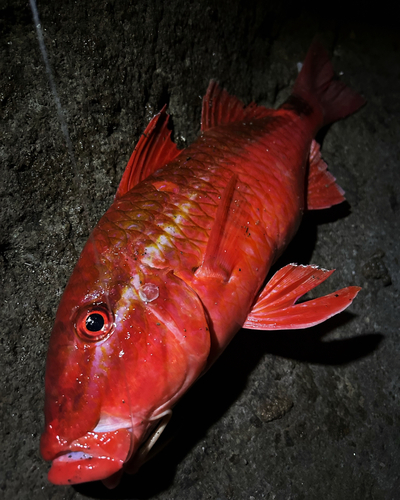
94,323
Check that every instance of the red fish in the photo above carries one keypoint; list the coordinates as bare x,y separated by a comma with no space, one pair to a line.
176,267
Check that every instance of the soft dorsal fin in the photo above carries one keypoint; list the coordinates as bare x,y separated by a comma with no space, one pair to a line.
219,258
220,108
322,190
275,308
154,150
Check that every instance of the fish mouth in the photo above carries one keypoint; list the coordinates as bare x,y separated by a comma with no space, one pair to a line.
102,453
95,456
77,467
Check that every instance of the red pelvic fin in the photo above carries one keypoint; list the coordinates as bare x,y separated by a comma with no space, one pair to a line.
220,108
316,84
322,190
219,258
154,150
275,308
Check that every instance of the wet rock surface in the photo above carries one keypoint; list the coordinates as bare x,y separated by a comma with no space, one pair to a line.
302,415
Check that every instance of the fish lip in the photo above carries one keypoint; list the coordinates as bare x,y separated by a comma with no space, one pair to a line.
79,467
98,454
91,457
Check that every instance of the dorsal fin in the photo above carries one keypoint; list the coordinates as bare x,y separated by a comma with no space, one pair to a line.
220,108
219,258
154,150
322,190
276,307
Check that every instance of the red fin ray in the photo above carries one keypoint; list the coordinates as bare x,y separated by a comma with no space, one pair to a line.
322,190
275,308
154,150
219,108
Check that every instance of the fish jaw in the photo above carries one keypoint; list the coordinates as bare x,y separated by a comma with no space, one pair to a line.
100,455
93,457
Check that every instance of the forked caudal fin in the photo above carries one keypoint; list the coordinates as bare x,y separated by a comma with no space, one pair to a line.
317,85
275,308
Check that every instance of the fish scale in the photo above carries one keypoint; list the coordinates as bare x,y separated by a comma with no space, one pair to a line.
195,221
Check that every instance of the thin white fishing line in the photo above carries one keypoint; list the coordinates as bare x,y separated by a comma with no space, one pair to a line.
53,88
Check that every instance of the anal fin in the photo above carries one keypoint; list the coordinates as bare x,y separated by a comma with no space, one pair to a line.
322,190
275,308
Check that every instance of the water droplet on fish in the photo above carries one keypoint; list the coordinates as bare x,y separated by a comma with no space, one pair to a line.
149,292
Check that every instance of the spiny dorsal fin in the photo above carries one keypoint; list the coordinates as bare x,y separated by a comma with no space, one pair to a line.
322,190
154,150
220,108
275,308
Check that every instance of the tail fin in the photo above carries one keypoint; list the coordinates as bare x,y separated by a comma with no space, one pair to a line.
317,84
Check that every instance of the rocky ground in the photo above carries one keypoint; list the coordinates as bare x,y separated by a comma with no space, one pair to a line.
288,415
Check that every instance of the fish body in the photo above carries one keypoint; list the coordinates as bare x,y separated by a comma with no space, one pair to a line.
176,266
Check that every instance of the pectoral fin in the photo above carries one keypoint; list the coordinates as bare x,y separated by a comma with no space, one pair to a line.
221,254
275,308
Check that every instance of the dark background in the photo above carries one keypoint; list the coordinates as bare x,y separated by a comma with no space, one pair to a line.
303,415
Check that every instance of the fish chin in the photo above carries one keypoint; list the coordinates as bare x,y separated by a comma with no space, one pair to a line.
95,456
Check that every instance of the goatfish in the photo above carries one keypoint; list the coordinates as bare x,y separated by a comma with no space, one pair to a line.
178,264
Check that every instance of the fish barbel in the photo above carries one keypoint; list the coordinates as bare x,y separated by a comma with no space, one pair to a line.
176,267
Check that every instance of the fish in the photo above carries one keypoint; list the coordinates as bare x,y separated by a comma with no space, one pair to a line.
178,265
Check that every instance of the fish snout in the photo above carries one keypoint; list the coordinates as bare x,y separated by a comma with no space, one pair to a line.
94,456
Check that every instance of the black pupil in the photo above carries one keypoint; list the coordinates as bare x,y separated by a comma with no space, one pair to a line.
94,322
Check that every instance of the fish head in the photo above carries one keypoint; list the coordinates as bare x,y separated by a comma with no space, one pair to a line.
127,342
